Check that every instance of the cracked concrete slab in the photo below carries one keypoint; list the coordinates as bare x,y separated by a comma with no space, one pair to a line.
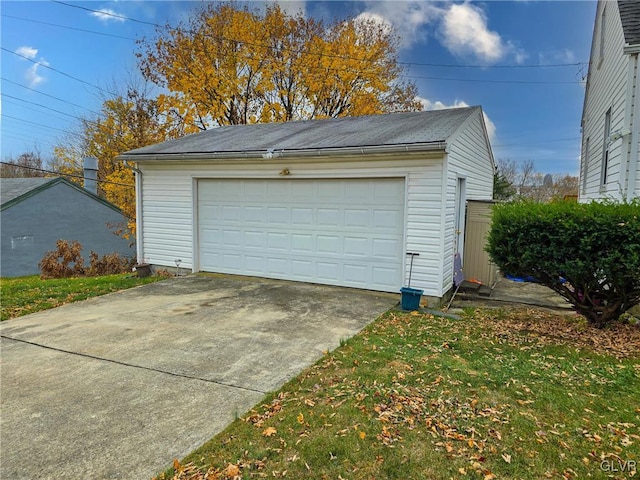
117,386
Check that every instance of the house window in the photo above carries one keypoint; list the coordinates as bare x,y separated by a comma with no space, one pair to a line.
585,165
603,20
605,148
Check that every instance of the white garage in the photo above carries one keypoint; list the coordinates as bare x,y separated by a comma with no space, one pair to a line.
337,201
334,231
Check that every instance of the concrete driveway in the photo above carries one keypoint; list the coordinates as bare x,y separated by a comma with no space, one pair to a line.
120,385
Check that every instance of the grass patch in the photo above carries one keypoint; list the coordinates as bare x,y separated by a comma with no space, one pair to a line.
518,394
24,295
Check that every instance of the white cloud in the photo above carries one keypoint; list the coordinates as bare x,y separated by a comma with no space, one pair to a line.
33,76
407,18
438,105
106,15
563,55
375,18
464,31
490,126
28,52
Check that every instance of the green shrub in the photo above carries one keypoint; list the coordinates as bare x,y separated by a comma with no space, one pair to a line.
588,253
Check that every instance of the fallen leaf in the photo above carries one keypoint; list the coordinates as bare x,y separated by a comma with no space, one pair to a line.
232,470
269,431
362,435
300,418
506,457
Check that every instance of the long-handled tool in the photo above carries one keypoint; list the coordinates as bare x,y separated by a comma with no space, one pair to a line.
412,254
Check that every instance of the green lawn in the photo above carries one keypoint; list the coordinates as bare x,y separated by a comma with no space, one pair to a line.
523,394
23,295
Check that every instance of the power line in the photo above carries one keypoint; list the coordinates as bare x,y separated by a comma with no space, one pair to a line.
44,65
23,108
320,54
40,106
67,27
33,123
47,95
66,174
538,82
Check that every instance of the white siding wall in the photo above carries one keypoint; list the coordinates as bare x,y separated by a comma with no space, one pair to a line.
168,203
469,157
607,88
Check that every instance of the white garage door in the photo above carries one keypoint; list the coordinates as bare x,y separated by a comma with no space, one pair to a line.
339,232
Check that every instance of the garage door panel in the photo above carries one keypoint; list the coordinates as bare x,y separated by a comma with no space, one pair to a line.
302,243
329,217
357,218
278,242
256,265
301,216
303,269
329,271
254,239
253,214
356,246
277,266
328,244
339,231
356,273
386,219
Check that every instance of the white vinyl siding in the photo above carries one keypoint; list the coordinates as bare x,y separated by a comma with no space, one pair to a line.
469,158
606,89
168,203
170,198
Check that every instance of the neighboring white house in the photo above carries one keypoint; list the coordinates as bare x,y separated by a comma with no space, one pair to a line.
611,113
336,201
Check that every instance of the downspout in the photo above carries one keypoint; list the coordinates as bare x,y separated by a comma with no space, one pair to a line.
634,126
139,233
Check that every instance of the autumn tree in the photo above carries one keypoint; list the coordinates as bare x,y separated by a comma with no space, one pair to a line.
27,164
232,65
125,122
521,181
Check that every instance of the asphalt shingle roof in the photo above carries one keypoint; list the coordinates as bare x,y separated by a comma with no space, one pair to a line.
12,188
630,17
372,130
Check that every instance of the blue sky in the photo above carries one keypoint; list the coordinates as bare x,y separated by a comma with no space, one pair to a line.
498,49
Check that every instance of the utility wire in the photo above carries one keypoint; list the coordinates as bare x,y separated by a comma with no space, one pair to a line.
47,95
67,27
44,65
66,174
329,55
33,123
40,106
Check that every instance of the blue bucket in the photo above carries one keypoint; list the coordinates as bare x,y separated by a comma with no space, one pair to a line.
410,298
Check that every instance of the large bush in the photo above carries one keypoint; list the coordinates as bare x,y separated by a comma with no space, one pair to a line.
588,253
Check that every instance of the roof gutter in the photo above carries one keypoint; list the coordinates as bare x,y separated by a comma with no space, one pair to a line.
274,153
